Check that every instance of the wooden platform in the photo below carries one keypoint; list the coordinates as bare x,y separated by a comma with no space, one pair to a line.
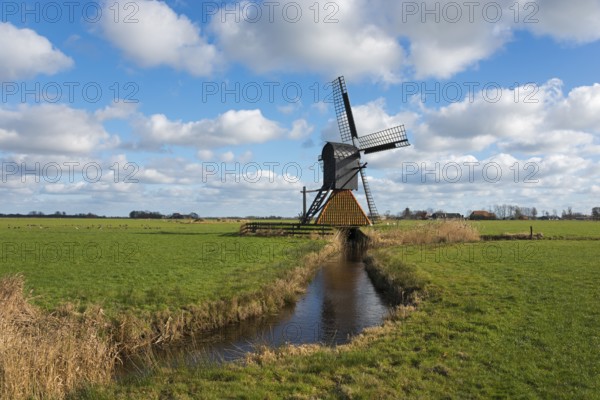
285,229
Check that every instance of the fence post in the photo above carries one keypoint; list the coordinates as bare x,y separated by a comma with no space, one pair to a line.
531,232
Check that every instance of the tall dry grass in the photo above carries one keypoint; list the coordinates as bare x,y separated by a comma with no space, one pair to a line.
47,356
430,232
50,356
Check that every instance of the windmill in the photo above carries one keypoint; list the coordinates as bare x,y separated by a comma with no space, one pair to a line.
341,167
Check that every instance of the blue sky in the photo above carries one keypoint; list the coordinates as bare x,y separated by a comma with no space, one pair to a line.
221,108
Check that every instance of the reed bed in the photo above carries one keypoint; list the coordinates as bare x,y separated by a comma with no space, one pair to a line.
47,355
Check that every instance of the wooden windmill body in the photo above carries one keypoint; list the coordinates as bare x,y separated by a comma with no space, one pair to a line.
335,203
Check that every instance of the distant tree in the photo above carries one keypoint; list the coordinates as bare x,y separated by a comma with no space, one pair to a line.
518,213
421,214
504,211
510,212
145,214
596,213
534,212
568,214
406,213
499,211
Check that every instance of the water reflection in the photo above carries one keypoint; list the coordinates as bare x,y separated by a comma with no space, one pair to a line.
339,303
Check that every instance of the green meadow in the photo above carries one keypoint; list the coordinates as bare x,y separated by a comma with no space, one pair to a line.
550,229
488,319
128,265
499,319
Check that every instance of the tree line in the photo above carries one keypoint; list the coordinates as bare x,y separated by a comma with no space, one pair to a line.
57,214
502,211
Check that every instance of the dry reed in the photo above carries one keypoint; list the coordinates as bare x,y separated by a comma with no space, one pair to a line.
47,356
430,232
52,355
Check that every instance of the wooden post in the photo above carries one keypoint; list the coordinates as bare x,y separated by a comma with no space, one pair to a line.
531,232
303,202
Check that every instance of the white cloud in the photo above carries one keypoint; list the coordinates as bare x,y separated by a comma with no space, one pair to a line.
350,42
547,121
445,40
464,34
159,36
254,180
321,106
205,155
290,108
246,157
388,41
228,129
120,110
52,129
579,110
228,156
62,189
563,20
301,129
26,54
151,175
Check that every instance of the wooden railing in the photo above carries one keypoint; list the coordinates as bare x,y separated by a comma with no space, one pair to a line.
284,229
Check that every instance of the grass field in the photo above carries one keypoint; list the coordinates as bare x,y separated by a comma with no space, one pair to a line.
499,319
78,295
550,229
141,265
503,319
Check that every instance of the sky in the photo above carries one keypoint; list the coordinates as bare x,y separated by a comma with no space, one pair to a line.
222,108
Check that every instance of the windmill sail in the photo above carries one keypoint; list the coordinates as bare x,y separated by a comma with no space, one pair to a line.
373,214
388,139
343,111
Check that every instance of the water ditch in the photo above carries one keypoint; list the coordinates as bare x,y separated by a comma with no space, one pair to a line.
339,303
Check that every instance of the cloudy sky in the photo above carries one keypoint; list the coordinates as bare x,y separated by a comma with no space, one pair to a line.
221,108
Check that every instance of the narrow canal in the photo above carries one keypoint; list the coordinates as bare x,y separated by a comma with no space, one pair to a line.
339,303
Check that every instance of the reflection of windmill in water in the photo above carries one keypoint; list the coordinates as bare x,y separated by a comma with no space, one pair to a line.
335,204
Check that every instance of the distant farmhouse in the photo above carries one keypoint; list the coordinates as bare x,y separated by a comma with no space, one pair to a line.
444,215
482,215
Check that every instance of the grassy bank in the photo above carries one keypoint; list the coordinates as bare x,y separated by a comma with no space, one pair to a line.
129,284
145,273
140,265
550,229
493,320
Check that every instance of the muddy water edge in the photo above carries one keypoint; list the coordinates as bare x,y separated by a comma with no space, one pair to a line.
339,303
